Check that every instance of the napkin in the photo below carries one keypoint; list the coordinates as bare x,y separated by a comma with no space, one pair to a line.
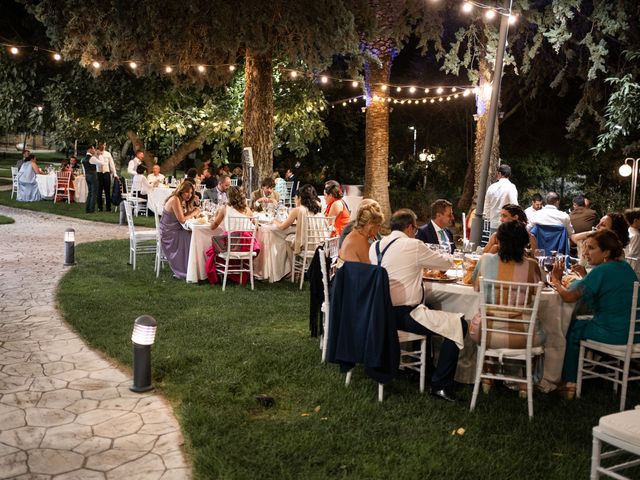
446,324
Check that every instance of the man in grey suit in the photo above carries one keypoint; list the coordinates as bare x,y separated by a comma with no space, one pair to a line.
218,194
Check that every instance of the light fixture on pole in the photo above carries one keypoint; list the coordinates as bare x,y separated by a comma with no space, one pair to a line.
625,170
415,134
144,334
69,247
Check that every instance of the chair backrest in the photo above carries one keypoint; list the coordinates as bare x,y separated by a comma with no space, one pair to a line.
551,237
234,182
14,171
128,210
330,249
63,180
317,230
241,233
509,310
127,184
634,321
286,198
486,232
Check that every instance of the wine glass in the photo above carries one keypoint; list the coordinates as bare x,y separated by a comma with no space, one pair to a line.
547,264
458,260
539,253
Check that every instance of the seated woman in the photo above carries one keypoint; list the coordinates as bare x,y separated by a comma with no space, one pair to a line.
509,213
174,239
237,207
336,207
607,289
140,183
27,183
613,221
307,204
355,247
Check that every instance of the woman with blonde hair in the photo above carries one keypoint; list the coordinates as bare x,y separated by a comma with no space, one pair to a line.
174,239
369,219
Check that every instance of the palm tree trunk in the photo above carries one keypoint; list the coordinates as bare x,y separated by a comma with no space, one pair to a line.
483,99
258,114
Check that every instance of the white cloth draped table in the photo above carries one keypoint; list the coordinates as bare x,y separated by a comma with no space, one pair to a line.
554,316
200,243
353,202
80,185
274,261
156,199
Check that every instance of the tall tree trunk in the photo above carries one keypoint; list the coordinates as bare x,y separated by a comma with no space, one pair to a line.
467,198
139,145
376,170
258,114
482,104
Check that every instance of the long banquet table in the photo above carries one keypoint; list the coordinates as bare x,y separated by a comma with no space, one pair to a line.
554,316
47,187
157,197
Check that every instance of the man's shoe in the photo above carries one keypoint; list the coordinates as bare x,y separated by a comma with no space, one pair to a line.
443,394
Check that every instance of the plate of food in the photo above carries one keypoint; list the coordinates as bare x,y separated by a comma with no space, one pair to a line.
437,276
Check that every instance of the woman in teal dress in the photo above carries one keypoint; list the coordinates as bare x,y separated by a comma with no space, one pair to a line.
607,290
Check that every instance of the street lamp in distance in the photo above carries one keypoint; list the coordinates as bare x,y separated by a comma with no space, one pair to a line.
625,170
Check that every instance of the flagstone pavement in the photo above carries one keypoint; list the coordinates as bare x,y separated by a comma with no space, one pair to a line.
65,411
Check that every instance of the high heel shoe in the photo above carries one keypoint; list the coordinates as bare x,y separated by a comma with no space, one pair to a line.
567,390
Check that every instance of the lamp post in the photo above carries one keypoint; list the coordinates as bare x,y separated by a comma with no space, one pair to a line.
144,334
415,134
69,247
625,170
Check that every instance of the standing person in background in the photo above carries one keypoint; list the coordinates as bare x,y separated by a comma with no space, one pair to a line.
91,164
500,193
289,176
536,204
436,231
134,162
105,172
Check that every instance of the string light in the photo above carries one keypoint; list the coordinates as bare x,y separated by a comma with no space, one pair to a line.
490,14
232,68
168,69
467,7
412,89
201,68
355,84
96,65
383,88
439,90
324,79
294,74
399,89
426,90
14,50
57,57
133,65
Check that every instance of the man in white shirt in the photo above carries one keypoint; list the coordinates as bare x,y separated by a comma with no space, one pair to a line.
134,162
536,204
499,194
550,214
404,257
105,172
91,164
155,177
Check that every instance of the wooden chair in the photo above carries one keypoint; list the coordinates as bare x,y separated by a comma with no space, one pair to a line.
616,366
508,309
63,187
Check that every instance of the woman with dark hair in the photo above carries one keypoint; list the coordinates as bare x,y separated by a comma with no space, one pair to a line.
613,221
139,183
607,289
508,213
336,207
307,205
236,207
174,239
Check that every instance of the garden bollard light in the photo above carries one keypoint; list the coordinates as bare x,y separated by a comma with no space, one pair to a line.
69,247
144,333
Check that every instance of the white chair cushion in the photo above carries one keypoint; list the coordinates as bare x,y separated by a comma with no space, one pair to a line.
623,425
147,235
513,353
237,255
614,350
408,336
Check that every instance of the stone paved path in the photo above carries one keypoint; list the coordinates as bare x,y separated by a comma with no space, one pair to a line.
66,412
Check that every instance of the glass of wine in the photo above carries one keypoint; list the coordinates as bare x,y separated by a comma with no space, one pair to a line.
458,260
547,264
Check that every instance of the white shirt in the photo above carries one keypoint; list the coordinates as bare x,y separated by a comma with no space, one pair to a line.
141,184
155,180
404,262
498,195
97,161
550,215
133,164
529,211
440,238
108,166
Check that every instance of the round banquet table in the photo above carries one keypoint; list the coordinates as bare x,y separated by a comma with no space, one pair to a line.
156,199
554,316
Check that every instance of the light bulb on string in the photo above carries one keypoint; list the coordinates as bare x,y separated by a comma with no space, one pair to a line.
466,93
432,101
454,89
412,90
168,69
96,65
399,89
440,99
383,88
14,50
293,74
426,90
490,14
448,99
513,19
439,90
232,68
467,7
354,84
133,65
201,68
57,57
324,79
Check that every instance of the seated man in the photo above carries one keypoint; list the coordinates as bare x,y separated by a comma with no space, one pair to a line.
265,194
536,204
404,257
218,194
436,231
155,177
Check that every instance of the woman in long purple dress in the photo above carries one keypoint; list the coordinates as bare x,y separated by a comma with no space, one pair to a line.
175,240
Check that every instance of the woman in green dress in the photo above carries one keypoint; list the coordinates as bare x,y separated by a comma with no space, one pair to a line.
607,289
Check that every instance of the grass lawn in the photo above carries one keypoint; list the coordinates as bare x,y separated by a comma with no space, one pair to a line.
5,220
75,210
216,351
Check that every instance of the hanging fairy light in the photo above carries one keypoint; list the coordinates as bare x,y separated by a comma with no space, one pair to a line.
232,68
355,84
412,90
201,68
96,65
133,65
439,90
57,57
467,7
293,74
168,69
383,88
490,14
14,50
324,79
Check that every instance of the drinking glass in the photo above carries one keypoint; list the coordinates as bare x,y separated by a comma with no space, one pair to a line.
547,264
458,260
539,253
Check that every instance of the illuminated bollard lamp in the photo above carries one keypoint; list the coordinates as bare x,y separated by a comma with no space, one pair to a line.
144,333
69,247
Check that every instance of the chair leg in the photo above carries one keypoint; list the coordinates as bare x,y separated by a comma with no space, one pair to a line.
580,368
325,335
529,387
595,458
476,383
423,363
134,255
302,270
293,267
380,392
625,382
347,379
226,272
251,271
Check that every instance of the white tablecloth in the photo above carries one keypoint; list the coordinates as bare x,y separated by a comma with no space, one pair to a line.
157,197
46,185
200,243
80,185
274,261
554,316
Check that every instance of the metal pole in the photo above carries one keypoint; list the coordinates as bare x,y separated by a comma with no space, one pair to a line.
415,133
476,225
634,181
